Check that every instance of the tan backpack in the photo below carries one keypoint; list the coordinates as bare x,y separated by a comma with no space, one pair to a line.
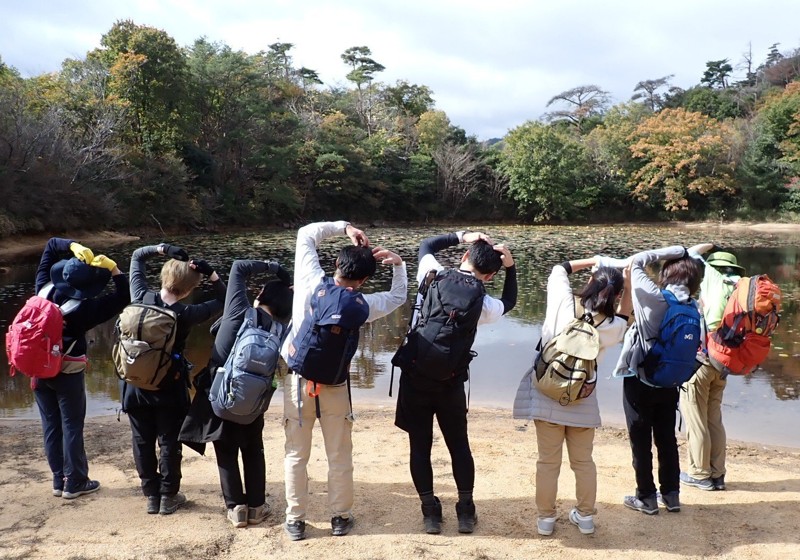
142,353
566,368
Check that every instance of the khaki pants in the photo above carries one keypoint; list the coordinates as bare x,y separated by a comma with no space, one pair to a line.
336,422
580,441
701,406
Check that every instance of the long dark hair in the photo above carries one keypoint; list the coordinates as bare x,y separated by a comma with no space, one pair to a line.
601,291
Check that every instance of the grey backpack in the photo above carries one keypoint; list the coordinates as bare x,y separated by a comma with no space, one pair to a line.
242,389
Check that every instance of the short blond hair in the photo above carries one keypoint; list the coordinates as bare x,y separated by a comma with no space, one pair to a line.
178,278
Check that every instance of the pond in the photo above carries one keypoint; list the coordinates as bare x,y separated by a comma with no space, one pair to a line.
762,407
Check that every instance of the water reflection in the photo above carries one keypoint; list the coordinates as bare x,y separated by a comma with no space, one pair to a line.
504,349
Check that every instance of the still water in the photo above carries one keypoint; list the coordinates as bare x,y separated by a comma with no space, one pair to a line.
762,407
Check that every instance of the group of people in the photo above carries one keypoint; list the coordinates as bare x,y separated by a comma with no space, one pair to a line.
631,307
628,304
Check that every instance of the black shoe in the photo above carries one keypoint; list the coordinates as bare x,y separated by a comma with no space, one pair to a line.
647,505
467,518
295,529
719,482
86,488
153,504
170,504
340,526
670,500
432,517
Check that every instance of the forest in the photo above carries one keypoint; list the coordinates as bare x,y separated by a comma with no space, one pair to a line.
143,132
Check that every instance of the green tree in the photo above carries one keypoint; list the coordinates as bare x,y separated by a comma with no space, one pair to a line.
717,73
148,71
549,172
362,73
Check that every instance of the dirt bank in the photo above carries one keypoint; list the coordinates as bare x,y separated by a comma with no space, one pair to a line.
28,246
755,518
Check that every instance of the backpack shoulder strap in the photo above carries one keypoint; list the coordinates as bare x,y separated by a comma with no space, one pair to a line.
149,298
67,307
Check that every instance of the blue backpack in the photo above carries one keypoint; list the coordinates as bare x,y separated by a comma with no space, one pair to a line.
328,338
242,389
672,360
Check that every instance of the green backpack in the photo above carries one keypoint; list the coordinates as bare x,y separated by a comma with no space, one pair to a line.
142,352
566,368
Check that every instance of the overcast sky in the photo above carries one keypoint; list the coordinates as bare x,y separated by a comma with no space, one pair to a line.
492,64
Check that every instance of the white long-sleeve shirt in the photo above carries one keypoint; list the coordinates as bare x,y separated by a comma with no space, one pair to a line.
308,273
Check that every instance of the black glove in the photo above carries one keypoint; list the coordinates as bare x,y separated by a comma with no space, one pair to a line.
715,248
202,267
174,252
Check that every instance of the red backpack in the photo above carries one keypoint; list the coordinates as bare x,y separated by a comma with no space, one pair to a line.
34,342
742,339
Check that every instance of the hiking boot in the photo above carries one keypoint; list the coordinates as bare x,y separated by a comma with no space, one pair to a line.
256,515
295,529
340,526
647,505
170,504
718,482
153,504
546,525
702,484
670,500
432,517
238,516
86,488
467,518
585,523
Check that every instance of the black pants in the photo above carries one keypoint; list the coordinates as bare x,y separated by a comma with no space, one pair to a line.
249,440
160,475
415,411
650,414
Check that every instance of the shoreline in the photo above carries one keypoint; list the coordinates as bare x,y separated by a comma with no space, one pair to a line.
752,519
29,245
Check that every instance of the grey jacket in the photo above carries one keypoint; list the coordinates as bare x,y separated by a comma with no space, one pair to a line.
529,403
649,307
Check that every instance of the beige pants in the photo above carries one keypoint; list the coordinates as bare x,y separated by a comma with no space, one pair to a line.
336,422
580,442
701,406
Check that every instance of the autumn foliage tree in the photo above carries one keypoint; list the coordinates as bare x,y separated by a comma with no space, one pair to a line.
683,156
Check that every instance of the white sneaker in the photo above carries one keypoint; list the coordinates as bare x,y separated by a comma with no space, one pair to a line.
238,516
584,523
546,525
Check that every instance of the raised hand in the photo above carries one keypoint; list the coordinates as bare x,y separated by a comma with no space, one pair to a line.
505,255
385,256
83,254
357,236
173,251
201,266
102,261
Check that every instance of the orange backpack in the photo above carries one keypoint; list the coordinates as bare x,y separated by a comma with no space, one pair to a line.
742,339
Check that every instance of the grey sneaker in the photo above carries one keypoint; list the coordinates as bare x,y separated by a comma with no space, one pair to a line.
256,515
238,516
340,526
670,500
153,504
647,505
170,504
87,487
718,482
295,529
702,484
585,523
546,525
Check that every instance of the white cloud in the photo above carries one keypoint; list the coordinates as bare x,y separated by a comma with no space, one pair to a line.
491,65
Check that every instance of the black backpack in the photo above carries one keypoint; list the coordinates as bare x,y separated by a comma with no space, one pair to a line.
439,346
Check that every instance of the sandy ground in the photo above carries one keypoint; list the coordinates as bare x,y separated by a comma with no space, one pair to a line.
757,517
